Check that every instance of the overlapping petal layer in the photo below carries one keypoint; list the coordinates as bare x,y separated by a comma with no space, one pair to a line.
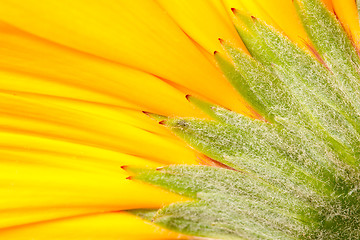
108,226
143,36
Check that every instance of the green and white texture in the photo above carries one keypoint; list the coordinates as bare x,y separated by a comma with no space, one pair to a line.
293,174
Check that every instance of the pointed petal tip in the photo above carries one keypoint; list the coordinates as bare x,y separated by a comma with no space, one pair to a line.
146,113
154,116
162,122
124,167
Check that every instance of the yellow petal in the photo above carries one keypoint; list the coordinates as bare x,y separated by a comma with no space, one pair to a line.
346,11
51,176
67,155
110,226
146,38
40,186
46,68
11,218
44,118
202,22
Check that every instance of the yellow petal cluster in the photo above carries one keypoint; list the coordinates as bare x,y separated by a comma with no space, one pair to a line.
75,77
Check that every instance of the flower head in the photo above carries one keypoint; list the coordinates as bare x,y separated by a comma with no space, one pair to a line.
277,107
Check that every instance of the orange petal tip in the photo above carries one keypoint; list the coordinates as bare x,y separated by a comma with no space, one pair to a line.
145,112
162,122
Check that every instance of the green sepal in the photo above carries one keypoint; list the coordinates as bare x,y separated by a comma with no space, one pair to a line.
240,85
271,92
277,52
192,219
333,44
254,202
247,31
231,204
195,181
283,57
319,105
258,148
295,175
326,32
206,220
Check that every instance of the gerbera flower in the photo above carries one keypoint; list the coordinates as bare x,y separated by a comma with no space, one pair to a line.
76,77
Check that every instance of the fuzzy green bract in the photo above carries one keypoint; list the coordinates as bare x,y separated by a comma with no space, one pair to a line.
294,172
